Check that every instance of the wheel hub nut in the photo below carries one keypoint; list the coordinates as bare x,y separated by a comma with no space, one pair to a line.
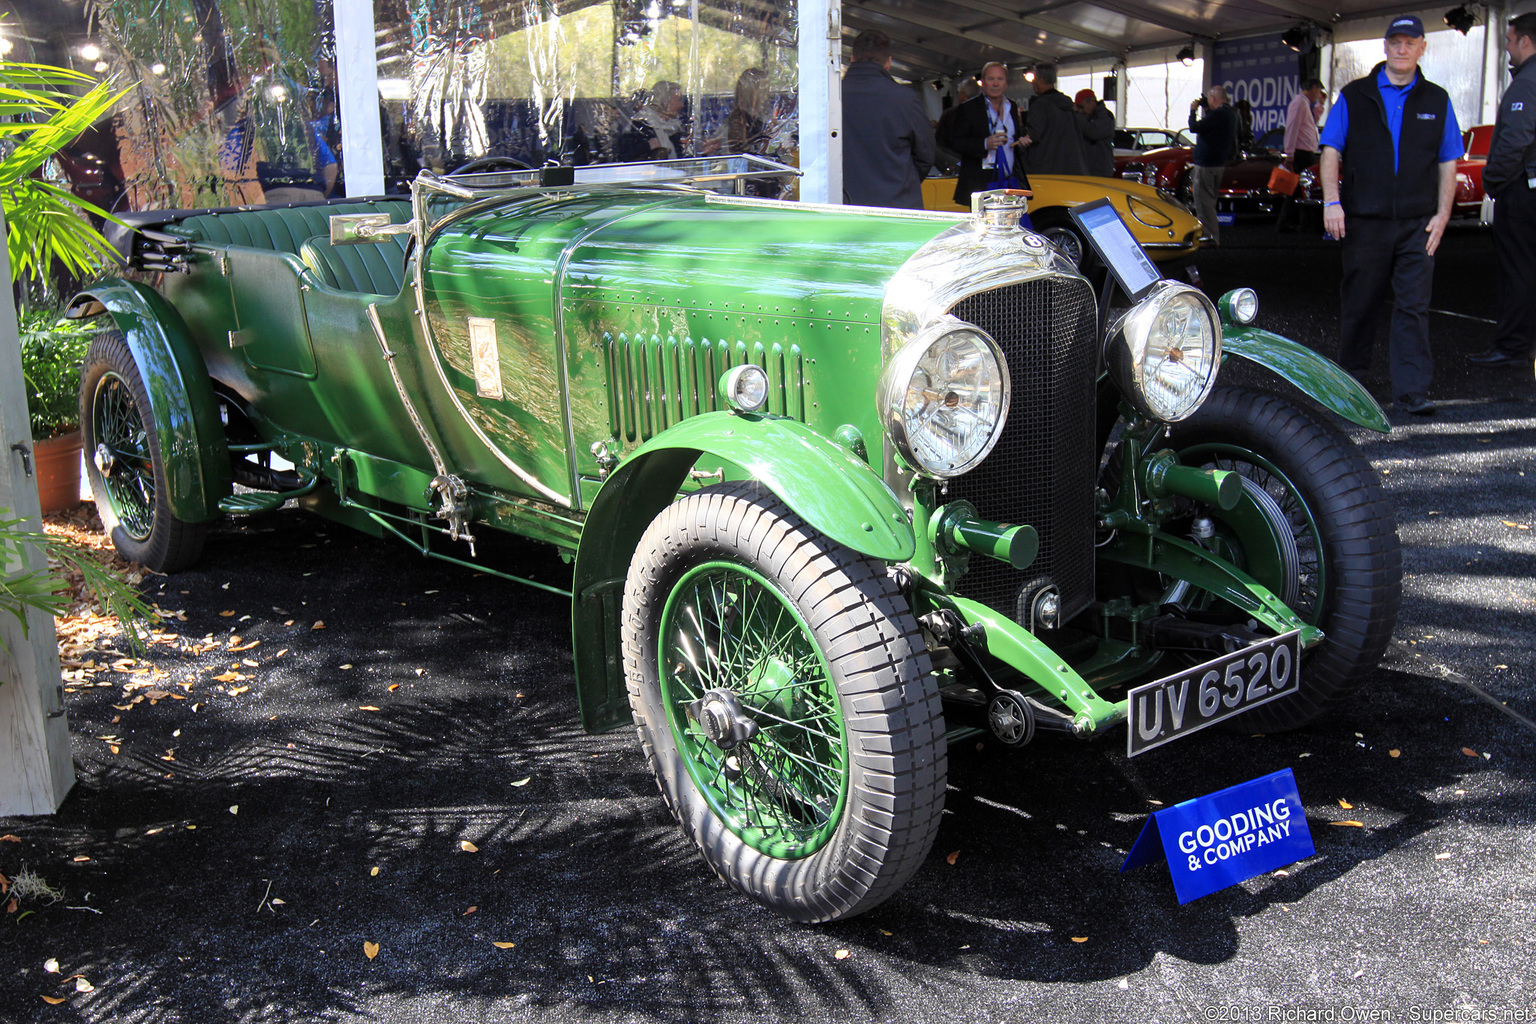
722,719
102,456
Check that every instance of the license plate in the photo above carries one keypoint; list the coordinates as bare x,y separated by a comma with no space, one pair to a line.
1188,701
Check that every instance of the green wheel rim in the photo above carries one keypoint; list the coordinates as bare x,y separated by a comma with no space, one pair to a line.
122,456
727,628
1298,514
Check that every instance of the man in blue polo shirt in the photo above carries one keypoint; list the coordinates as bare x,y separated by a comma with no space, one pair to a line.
1397,138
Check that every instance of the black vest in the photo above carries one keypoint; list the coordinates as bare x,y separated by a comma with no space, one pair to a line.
1369,187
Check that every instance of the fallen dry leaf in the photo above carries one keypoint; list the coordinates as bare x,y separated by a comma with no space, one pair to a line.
370,949
229,677
81,985
523,782
51,965
468,847
1470,752
1442,856
373,871
366,707
1079,938
1346,805
348,665
503,945
242,647
393,687
842,954
5,885
10,908
235,691
884,932
953,857
320,624
1355,824
225,614
10,839
53,1000
1394,752
234,808
471,910
81,859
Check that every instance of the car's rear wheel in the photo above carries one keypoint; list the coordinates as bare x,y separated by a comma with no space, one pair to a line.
1323,537
782,697
125,463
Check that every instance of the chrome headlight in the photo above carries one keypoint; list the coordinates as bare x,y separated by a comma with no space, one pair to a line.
1239,306
944,398
1163,354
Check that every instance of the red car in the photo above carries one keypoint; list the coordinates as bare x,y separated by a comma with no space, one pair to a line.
1469,171
1244,186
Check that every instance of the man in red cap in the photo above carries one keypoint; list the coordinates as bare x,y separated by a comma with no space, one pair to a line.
1098,128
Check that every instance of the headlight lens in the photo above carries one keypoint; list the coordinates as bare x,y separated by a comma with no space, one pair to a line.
944,398
1163,354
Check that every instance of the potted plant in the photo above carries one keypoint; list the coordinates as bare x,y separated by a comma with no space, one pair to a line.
52,350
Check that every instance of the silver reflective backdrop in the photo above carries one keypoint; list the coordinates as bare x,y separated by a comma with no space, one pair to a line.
237,101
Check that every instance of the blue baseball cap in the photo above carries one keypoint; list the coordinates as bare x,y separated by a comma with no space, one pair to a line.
1407,25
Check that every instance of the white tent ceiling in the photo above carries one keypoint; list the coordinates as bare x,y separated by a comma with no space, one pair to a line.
941,38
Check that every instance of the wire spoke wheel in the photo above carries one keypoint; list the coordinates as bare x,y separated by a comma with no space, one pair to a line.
1316,530
784,700
730,633
125,463
122,456
1299,572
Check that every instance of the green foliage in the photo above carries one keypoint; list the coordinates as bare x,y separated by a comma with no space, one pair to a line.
47,589
39,117
52,350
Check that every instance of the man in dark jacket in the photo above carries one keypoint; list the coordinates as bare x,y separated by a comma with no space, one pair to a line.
887,137
1053,142
987,133
1098,128
1215,144
1396,135
1510,177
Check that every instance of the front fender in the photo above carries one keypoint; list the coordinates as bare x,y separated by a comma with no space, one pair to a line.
1321,378
833,491
181,399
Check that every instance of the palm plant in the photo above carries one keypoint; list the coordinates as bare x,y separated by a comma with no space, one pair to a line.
38,117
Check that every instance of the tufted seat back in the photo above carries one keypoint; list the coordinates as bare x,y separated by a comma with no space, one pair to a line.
376,268
283,229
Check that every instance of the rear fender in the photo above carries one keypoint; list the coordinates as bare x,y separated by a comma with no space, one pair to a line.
1319,377
834,492
181,399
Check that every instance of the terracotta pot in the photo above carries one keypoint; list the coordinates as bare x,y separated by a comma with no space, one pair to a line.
58,471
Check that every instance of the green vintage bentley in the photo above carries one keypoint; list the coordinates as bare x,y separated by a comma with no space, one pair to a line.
840,485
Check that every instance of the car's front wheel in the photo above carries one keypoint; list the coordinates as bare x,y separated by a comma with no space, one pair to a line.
125,463
1317,531
782,696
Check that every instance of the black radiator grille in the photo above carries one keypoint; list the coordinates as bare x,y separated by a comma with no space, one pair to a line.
1042,470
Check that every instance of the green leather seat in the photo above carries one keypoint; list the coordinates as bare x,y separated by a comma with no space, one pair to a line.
376,268
283,229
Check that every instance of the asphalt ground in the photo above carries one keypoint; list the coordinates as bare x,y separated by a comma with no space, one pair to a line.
232,856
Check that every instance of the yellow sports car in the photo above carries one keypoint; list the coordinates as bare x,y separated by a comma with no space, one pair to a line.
1164,226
